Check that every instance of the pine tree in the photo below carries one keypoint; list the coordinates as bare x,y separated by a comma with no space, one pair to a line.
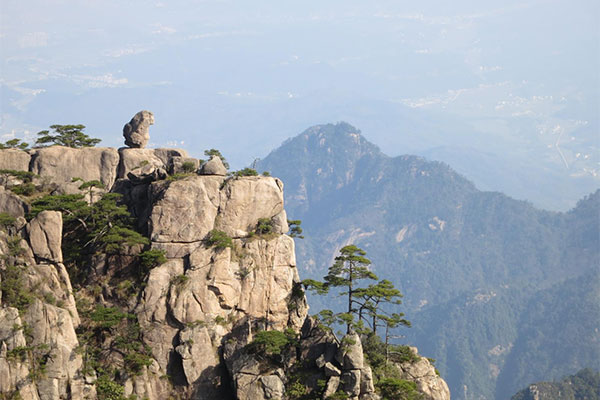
67,135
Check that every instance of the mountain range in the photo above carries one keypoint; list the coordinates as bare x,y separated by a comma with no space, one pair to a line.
500,293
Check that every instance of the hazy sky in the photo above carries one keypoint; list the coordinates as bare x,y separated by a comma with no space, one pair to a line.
517,77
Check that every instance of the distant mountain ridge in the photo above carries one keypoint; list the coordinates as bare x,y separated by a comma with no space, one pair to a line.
479,257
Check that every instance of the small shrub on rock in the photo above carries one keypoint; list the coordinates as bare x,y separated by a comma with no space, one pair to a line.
218,239
245,172
264,226
188,167
269,343
152,258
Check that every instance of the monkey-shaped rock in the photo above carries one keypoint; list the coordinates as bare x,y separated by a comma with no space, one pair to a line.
136,131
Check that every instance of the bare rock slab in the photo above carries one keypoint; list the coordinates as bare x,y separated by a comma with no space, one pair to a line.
45,235
62,164
14,159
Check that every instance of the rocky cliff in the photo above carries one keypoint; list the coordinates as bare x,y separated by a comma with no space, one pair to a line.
177,313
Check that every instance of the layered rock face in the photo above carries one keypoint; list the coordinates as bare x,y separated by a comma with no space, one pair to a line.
189,303
38,343
195,314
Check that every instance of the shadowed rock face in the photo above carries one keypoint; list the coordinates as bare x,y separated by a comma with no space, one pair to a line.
136,131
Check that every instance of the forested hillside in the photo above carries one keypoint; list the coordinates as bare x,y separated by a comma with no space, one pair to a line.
473,265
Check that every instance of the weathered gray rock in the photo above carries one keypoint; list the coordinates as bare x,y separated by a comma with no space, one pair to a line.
280,224
51,282
146,174
136,131
177,164
432,386
14,159
45,235
316,342
351,382
63,164
53,327
214,166
350,353
333,384
331,370
135,159
12,204
12,371
252,382
366,381
148,385
320,361
197,351
167,155
245,200
184,211
152,310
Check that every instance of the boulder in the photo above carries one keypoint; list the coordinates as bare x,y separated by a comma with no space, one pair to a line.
332,386
14,159
45,235
12,204
136,131
214,166
62,164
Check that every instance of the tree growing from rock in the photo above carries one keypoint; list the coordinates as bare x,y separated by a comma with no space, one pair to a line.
215,152
373,298
66,135
349,268
14,144
102,226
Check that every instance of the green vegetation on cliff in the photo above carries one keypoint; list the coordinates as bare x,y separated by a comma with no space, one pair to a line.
584,385
469,262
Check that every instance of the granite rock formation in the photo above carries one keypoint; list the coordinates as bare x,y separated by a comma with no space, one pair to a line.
136,131
195,314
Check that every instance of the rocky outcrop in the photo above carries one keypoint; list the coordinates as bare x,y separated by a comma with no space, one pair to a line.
214,166
45,236
356,377
191,319
429,383
12,204
136,131
14,159
63,164
179,165
244,201
38,343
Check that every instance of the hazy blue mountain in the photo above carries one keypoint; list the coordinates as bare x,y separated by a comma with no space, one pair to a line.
470,263
506,93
